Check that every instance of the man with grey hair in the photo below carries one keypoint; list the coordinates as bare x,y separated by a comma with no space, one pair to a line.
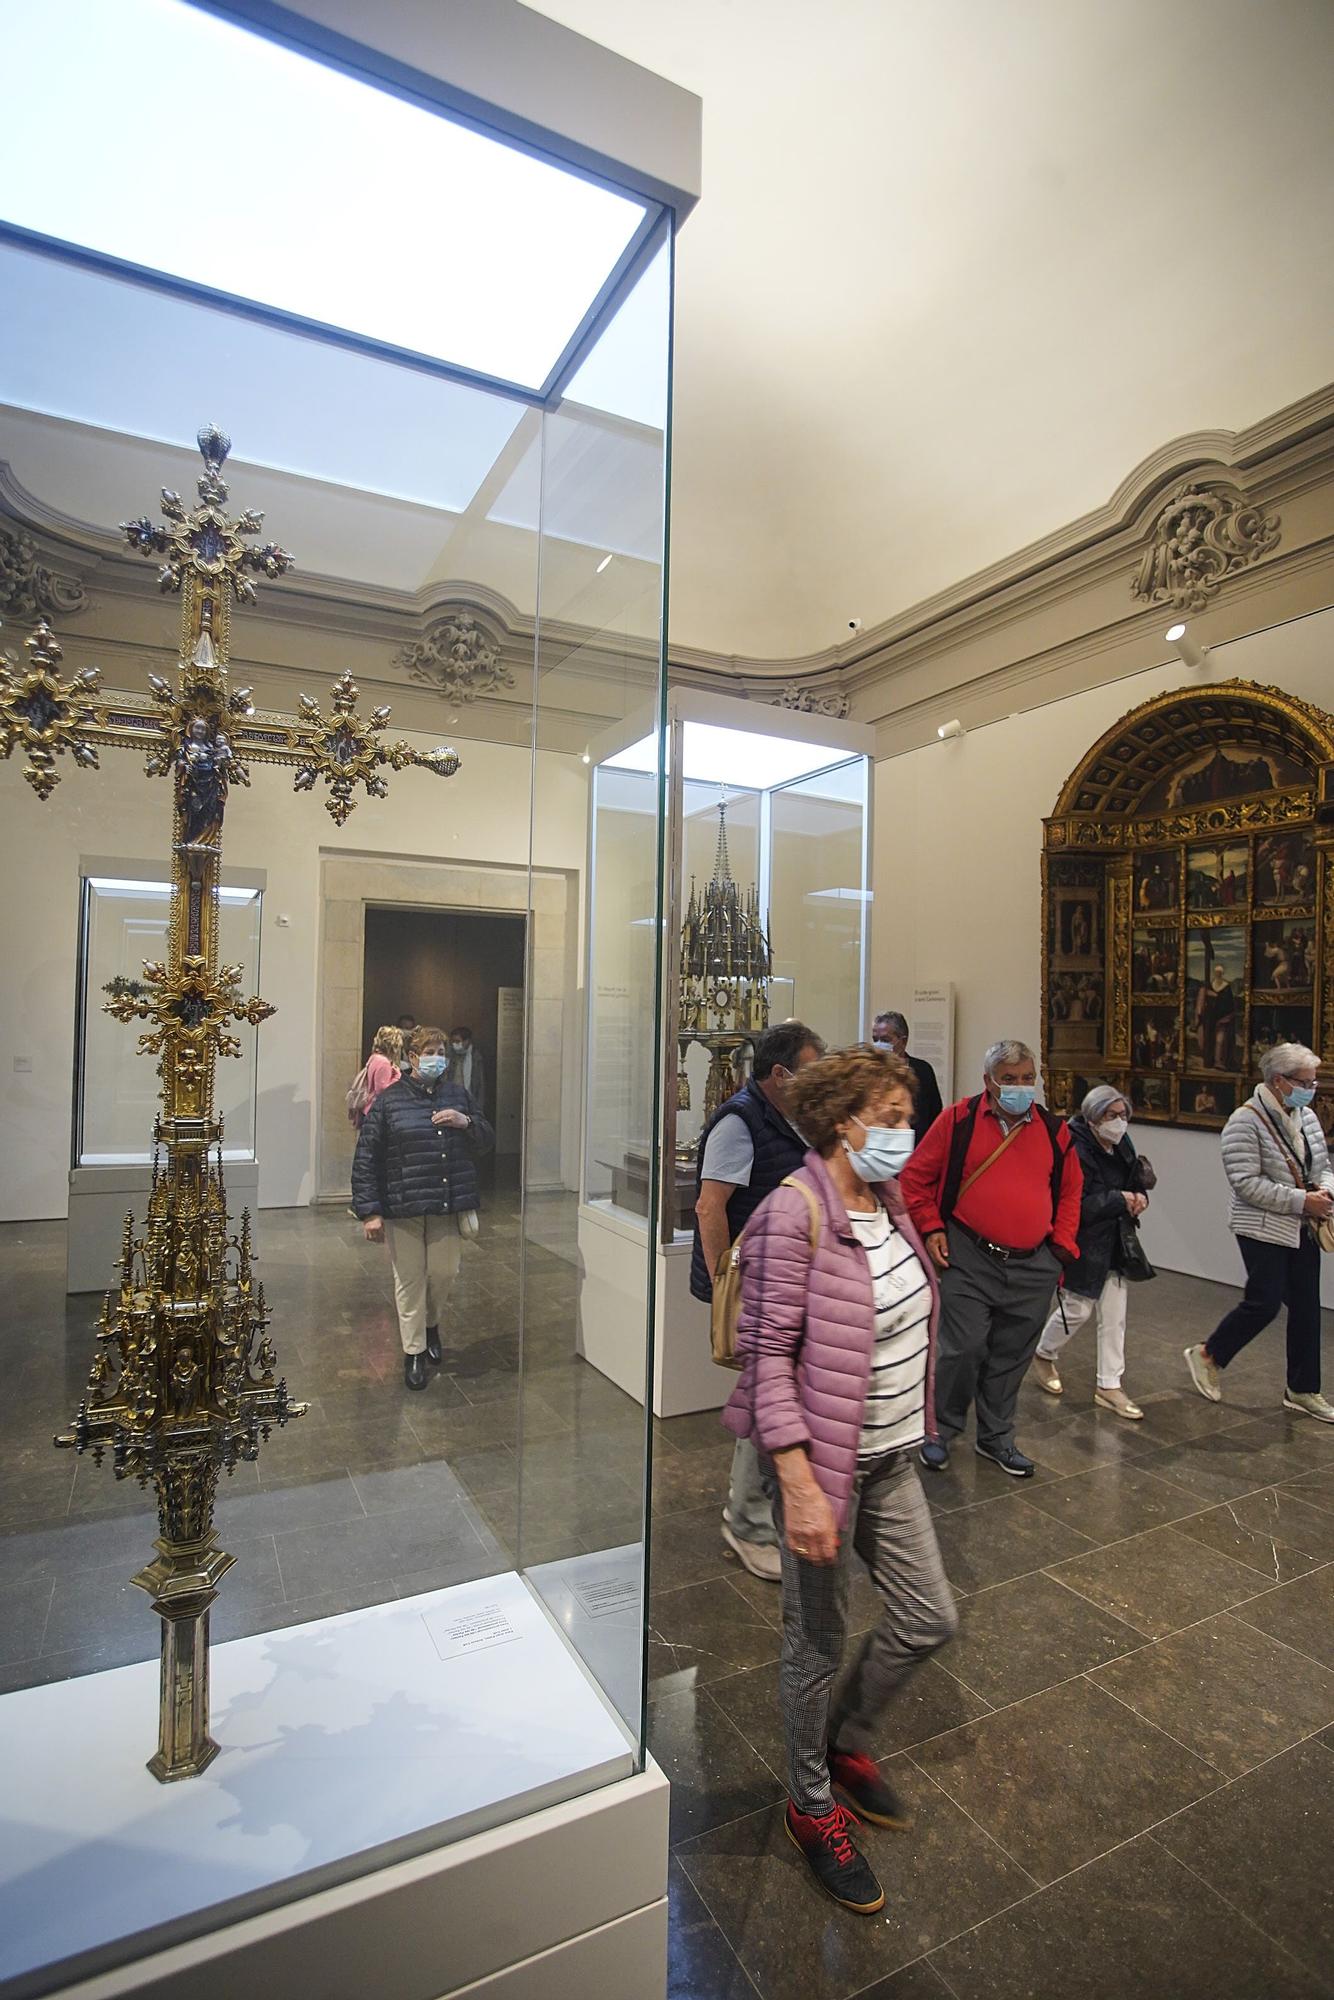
994,1188
1276,1158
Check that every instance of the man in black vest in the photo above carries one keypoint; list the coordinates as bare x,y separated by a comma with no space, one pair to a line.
745,1150
890,1031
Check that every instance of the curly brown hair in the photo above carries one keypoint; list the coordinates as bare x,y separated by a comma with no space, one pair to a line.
827,1093
421,1039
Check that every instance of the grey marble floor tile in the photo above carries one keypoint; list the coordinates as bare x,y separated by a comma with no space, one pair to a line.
1127,1927
1159,1581
1064,1776
701,1965
1284,1514
714,1773
1264,1843
710,1629
1226,1691
1113,1502
1031,1633
23,1613
1301,1614
1219,1528
942,1876
1002,1538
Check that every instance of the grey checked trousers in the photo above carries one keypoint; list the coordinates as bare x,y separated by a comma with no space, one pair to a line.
889,1527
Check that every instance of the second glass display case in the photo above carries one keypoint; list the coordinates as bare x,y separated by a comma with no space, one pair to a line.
766,873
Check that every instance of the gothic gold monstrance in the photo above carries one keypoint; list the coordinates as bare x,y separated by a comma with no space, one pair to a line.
726,965
184,1381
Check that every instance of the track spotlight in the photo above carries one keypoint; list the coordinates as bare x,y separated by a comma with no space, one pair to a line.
1185,646
950,729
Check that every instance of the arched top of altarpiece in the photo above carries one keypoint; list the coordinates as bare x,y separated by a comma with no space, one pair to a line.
1199,747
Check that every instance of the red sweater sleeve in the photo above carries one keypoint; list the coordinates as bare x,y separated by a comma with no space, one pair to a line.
1065,1228
922,1181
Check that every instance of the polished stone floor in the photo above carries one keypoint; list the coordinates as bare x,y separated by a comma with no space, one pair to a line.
1122,1772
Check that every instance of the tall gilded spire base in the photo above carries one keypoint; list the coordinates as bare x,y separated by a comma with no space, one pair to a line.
183,1581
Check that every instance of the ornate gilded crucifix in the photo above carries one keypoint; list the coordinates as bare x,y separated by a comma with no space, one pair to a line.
184,1380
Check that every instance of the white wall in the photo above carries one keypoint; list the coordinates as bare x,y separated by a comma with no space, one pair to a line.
958,841
481,815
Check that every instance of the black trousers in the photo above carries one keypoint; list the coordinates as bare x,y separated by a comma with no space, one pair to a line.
1275,1277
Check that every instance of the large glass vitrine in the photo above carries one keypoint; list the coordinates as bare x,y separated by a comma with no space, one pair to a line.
764,874
438,375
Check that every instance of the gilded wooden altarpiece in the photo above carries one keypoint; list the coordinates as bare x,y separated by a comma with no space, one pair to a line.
1188,903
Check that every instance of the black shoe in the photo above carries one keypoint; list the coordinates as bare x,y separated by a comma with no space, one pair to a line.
858,1776
1009,1458
414,1370
433,1353
842,1872
935,1455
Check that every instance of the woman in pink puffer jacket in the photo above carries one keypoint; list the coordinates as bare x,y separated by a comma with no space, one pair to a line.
837,1340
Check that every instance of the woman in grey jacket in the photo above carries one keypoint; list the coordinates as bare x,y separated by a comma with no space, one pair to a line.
1277,1161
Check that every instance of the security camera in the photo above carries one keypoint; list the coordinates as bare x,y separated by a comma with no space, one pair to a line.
854,624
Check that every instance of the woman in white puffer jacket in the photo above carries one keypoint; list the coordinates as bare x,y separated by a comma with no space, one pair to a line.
1277,1161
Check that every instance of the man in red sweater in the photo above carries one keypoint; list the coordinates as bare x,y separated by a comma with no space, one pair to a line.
994,1188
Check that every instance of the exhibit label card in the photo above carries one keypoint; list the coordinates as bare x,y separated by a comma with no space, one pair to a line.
454,1634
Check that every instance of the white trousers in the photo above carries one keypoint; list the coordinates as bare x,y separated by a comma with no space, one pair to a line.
424,1251
1110,1306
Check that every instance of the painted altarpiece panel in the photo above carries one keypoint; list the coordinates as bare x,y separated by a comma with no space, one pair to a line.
1188,903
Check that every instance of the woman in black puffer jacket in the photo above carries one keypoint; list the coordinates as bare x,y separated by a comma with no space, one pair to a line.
1116,1184
414,1177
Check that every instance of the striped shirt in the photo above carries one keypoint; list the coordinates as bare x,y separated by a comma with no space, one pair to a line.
894,1417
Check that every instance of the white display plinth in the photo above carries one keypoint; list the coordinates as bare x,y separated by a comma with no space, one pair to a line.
99,1198
392,1729
612,1247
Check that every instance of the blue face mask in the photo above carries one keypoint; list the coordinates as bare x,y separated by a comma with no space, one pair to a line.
1016,1098
433,1066
884,1153
1301,1094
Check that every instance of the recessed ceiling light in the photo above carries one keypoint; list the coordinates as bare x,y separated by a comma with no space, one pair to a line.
603,564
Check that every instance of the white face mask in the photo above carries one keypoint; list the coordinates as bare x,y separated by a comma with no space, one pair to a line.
1114,1129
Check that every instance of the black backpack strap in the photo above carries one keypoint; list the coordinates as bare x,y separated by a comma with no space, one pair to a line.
1058,1153
960,1140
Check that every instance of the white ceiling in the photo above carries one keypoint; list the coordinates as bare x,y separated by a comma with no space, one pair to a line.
959,267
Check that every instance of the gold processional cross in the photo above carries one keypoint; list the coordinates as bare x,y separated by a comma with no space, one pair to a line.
184,1380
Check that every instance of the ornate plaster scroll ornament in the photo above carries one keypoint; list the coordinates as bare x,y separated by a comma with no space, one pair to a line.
1207,531
458,658
811,701
28,589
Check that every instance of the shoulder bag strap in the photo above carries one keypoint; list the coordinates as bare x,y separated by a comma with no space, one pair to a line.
991,1159
812,1203
1296,1167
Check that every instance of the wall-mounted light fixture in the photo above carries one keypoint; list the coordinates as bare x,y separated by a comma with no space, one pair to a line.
950,729
1193,655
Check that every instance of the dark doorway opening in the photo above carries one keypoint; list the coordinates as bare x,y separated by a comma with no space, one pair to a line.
455,969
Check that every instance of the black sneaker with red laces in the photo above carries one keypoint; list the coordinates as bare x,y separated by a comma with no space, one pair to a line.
858,1777
842,1872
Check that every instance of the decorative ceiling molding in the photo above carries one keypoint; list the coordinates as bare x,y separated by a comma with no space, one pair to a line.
1207,532
458,657
28,588
812,701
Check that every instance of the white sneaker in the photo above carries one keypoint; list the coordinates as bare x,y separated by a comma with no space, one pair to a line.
1311,1404
762,1558
1203,1374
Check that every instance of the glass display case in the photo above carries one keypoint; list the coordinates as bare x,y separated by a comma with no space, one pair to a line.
336,1490
764,874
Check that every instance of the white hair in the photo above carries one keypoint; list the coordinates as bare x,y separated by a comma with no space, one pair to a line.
1006,1052
1100,1101
1285,1058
